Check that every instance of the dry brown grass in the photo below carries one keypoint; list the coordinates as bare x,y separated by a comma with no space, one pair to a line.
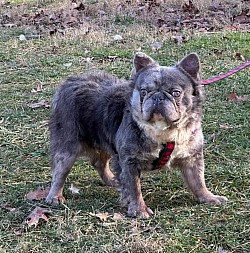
98,21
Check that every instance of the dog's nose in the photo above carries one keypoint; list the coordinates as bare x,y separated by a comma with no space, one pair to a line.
158,97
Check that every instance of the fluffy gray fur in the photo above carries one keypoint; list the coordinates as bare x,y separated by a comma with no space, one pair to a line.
102,117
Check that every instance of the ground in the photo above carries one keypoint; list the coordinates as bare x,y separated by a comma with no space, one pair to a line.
42,42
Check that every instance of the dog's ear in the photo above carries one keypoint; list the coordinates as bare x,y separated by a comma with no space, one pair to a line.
191,65
141,61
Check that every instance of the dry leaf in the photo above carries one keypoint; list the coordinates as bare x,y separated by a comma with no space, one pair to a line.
101,216
243,18
240,56
117,37
67,65
117,217
37,214
38,194
243,98
74,189
42,103
8,207
225,126
18,232
232,97
188,6
70,20
156,45
87,59
80,7
177,39
38,87
10,25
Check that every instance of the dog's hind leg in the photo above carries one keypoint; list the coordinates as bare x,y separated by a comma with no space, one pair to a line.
62,163
100,162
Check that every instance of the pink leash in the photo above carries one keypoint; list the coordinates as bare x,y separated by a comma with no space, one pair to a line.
222,76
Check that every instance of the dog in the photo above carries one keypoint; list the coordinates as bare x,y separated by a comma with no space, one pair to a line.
149,122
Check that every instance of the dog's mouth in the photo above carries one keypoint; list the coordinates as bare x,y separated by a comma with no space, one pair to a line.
168,120
167,113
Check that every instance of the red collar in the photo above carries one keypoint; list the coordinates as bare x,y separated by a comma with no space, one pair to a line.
164,155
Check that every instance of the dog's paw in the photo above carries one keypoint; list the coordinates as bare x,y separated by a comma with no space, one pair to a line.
213,199
139,212
56,200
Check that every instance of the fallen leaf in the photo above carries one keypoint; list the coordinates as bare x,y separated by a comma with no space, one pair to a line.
42,103
8,207
101,216
180,39
177,39
18,232
87,59
67,65
38,194
52,31
37,214
160,22
117,217
112,57
243,18
10,25
156,45
232,97
214,5
240,56
225,126
188,6
38,87
243,98
70,20
80,7
117,37
74,189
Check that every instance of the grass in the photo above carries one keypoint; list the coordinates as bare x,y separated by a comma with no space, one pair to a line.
179,224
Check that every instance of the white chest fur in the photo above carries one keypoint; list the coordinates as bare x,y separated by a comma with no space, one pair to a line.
184,137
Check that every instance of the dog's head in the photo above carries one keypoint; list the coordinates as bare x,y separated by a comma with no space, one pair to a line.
165,95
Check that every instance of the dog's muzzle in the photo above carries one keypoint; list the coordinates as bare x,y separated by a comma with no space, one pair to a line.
158,98
163,108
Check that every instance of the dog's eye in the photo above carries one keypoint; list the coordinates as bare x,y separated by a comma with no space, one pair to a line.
176,93
144,92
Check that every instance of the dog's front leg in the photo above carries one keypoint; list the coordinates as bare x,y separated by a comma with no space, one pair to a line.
193,174
130,187
62,163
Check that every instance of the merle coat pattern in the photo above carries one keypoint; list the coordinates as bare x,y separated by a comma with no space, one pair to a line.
102,117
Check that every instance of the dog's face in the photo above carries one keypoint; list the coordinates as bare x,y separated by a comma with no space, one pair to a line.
165,95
